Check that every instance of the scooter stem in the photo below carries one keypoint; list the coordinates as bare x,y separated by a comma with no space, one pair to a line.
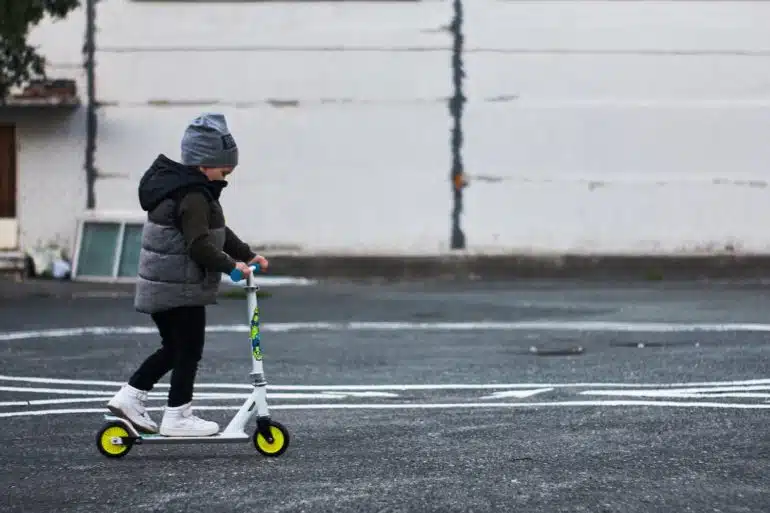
256,403
257,373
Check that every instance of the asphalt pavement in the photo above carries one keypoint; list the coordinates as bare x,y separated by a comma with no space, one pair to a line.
541,396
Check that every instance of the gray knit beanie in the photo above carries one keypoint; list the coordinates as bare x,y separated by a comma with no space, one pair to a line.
207,142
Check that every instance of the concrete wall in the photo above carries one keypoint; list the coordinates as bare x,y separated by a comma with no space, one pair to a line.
590,126
359,163
636,126
50,183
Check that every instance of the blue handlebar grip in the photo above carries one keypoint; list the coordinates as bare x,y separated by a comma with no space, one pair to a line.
237,275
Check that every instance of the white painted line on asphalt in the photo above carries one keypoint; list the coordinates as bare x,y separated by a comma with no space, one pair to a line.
720,387
642,393
201,395
749,391
281,395
428,406
63,391
68,400
762,382
630,327
51,381
746,395
521,394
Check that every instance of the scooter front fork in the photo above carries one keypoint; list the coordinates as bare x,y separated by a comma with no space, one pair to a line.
263,426
263,414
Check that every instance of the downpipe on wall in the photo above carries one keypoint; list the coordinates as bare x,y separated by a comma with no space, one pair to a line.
89,50
456,103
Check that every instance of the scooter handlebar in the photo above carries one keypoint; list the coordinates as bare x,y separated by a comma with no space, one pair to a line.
237,275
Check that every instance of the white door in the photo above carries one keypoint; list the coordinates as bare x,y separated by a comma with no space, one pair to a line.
9,228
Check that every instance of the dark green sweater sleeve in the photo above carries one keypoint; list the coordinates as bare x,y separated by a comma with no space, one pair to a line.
194,221
236,248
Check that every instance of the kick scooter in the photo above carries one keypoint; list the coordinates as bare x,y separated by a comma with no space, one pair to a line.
270,438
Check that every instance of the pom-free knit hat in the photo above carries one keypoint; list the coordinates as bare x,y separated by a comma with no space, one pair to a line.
207,142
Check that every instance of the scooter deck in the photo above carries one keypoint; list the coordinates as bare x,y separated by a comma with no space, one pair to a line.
149,438
218,438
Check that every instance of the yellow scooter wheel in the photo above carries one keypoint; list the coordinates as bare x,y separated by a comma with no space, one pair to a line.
279,444
106,440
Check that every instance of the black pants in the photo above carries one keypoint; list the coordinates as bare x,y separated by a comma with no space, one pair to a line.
182,331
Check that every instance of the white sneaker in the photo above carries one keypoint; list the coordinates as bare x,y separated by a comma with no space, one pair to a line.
128,403
180,421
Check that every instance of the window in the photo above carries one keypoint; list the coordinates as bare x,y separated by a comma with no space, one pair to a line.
128,265
107,248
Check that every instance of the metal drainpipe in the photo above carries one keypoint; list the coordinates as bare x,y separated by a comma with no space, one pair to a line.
89,50
457,175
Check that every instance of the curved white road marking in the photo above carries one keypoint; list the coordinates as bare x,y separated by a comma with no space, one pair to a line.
632,327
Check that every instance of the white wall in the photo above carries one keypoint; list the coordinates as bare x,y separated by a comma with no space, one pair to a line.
50,177
639,126
51,188
636,126
361,163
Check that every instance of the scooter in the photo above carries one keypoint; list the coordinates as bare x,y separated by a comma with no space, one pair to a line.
270,438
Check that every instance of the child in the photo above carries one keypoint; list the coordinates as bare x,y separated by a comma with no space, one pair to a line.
186,247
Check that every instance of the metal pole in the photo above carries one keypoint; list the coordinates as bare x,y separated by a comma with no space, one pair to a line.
89,50
457,175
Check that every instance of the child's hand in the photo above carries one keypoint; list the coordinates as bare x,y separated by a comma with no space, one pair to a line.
245,269
262,261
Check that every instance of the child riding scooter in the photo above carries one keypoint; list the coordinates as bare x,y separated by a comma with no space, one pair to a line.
186,246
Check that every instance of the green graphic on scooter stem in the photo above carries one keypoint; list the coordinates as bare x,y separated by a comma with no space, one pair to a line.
256,350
